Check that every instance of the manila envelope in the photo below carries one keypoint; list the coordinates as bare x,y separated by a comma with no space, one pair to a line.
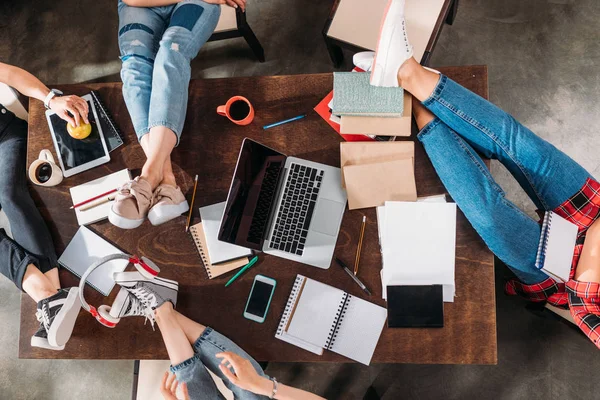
355,153
371,185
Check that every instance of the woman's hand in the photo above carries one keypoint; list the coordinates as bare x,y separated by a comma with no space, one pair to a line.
230,3
244,375
168,388
78,107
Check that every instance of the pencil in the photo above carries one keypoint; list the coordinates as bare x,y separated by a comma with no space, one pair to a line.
285,121
93,198
360,242
187,226
97,203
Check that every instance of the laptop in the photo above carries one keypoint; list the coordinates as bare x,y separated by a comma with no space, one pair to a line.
284,206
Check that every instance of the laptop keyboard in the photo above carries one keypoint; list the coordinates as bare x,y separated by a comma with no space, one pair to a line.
296,210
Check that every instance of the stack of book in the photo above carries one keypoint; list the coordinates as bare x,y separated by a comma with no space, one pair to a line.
370,110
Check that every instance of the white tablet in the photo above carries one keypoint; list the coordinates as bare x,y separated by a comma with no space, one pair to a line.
76,155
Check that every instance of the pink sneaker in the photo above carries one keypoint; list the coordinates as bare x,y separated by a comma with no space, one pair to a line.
393,47
131,205
169,204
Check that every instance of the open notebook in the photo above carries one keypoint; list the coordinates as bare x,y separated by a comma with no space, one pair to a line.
556,247
332,319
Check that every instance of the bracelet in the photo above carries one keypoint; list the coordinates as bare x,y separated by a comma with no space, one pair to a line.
50,96
275,385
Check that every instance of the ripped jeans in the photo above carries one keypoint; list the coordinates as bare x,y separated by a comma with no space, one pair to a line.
157,45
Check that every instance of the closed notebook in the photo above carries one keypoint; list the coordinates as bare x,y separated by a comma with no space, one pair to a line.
111,132
371,185
556,247
94,188
354,95
86,248
415,306
219,251
212,270
332,319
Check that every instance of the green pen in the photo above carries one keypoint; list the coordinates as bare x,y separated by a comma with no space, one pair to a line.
241,271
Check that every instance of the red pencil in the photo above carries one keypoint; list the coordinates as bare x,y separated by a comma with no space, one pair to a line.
93,198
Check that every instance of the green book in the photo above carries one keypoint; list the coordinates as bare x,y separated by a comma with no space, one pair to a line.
354,95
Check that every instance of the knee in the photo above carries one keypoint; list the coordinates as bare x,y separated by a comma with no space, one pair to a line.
137,43
12,194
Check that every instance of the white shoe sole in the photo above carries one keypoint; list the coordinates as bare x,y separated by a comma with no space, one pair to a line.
122,222
63,324
43,344
160,214
130,278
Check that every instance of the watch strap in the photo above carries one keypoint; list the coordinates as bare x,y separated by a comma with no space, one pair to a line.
50,96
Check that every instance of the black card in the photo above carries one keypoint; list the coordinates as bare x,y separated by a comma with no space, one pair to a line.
415,306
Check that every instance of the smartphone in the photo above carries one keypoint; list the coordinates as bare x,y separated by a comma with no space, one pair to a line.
260,298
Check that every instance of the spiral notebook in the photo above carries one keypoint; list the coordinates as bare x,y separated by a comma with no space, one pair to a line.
112,134
556,247
213,270
334,320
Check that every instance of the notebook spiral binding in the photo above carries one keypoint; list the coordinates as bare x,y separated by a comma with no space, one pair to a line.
339,319
543,245
201,251
290,304
109,117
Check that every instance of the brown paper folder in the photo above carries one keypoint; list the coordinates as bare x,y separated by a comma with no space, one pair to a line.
371,185
355,153
381,126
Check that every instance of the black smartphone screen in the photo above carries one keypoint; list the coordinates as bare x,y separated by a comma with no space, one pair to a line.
259,298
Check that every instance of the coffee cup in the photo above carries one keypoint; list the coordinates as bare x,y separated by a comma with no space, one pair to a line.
44,171
238,109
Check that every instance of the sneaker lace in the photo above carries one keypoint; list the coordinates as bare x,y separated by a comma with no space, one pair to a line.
143,304
43,317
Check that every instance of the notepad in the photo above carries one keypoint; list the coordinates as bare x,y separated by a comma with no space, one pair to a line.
354,95
334,320
86,248
556,247
219,251
419,306
94,188
213,270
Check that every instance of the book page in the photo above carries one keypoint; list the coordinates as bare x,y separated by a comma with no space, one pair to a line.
316,312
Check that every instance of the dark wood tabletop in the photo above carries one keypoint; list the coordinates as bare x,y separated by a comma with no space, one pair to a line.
209,147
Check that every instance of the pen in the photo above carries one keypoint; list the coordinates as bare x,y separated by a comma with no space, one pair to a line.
97,203
93,198
241,271
187,226
360,242
284,121
354,278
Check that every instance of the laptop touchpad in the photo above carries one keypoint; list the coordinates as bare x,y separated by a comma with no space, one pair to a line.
327,217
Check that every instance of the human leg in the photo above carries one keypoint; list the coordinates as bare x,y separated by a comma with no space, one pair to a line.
509,233
547,174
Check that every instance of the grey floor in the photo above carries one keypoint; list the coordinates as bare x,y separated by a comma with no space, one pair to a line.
543,58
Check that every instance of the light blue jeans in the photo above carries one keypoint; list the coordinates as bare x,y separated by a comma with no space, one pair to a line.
157,45
466,122
199,382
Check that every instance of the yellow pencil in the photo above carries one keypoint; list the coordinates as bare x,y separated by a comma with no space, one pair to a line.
360,242
187,227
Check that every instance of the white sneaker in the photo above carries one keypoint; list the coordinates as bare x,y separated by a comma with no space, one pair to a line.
393,47
58,314
364,60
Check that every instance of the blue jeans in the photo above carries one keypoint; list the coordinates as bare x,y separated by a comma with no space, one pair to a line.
466,122
157,45
193,371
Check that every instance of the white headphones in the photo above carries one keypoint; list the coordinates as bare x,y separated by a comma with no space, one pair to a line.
103,314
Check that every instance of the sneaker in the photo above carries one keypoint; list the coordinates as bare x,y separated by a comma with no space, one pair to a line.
152,293
169,203
393,48
131,204
58,314
40,339
364,60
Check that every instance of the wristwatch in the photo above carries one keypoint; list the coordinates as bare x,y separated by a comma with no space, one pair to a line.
275,384
50,96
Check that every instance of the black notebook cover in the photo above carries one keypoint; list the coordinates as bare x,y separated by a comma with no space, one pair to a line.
415,306
112,134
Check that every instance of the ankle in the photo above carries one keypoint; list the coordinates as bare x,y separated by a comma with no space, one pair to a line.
46,293
407,71
164,311
152,176
169,179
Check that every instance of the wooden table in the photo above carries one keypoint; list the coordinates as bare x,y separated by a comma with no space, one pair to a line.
209,147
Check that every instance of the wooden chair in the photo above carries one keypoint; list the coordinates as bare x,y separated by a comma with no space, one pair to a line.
355,25
232,24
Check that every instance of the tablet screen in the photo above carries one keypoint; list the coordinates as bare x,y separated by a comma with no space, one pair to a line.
75,152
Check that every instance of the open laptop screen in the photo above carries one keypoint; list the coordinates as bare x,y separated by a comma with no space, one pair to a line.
251,195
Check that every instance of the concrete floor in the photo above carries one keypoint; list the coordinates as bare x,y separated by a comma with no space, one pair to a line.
543,58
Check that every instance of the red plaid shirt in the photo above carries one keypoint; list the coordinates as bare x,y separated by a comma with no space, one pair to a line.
582,298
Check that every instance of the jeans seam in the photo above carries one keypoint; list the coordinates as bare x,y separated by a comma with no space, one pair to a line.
477,125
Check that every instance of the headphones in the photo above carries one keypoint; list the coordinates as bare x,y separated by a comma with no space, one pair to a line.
103,314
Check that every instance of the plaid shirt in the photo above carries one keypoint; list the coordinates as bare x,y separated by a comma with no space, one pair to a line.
582,298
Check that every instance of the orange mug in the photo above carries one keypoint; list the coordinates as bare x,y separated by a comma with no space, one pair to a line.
238,109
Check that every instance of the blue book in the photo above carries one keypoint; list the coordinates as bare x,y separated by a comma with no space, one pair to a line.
354,95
